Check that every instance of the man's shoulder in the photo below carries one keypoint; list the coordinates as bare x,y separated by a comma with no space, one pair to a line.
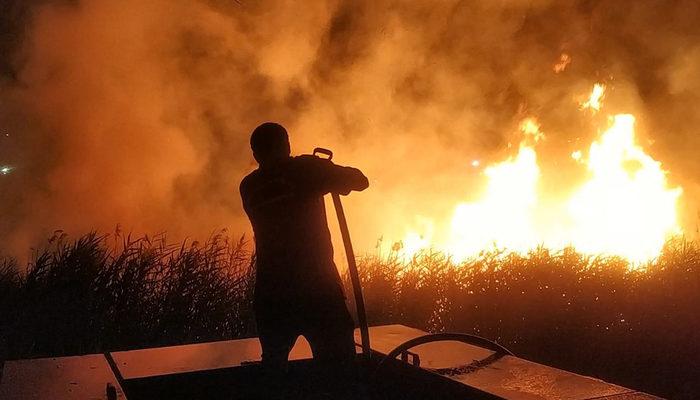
305,158
306,161
249,179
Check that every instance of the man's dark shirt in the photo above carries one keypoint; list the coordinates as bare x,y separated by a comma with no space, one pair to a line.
293,245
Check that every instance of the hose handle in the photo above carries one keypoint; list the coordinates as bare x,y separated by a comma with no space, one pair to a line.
321,150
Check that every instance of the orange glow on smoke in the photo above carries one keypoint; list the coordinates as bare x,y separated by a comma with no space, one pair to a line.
624,207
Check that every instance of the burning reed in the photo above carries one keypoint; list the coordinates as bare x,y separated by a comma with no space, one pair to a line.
599,316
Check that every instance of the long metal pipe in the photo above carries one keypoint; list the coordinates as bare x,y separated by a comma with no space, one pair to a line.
352,266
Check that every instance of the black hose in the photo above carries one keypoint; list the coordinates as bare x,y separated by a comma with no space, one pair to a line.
442,337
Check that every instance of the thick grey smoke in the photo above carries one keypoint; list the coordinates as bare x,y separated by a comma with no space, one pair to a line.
138,112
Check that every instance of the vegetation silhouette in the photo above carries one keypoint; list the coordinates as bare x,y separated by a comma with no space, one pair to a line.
591,315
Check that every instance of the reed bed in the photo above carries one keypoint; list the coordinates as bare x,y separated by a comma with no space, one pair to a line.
592,315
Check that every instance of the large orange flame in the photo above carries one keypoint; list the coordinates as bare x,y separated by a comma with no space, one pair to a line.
625,207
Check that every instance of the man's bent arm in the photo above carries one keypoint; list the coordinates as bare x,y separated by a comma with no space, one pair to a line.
347,179
325,176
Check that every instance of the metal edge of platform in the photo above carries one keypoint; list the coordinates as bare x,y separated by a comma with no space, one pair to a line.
60,378
506,378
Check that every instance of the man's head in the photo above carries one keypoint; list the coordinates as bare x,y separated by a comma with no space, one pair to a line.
270,143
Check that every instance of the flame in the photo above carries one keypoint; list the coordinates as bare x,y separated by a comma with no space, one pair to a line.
531,129
595,100
624,207
564,61
497,219
417,239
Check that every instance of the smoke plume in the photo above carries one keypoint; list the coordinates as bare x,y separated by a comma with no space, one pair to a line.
138,113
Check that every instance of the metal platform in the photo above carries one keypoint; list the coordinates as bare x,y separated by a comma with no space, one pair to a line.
227,369
508,377
82,377
196,357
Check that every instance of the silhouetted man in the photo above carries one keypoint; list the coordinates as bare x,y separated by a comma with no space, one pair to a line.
297,290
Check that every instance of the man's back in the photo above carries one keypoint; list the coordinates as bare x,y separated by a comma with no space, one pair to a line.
285,205
297,288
